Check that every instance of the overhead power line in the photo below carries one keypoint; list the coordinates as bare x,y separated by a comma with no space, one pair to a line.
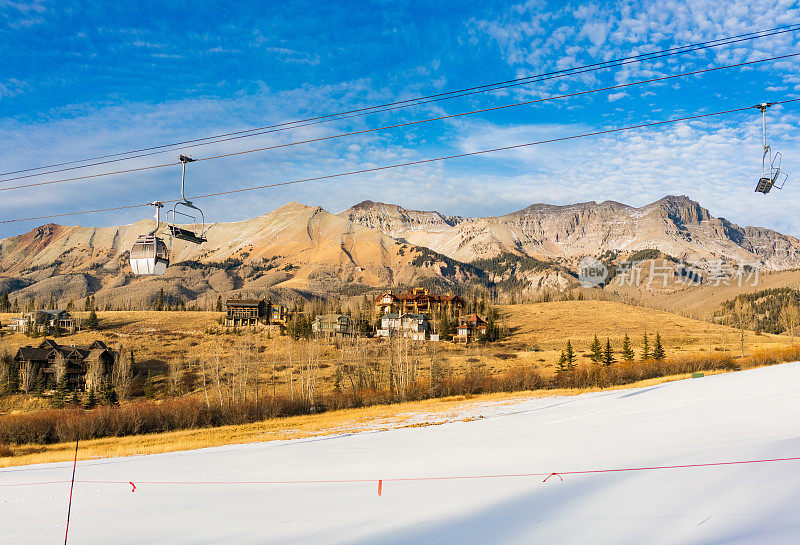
153,150
411,163
406,124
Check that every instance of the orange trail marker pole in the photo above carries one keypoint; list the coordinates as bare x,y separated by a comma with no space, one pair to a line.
380,487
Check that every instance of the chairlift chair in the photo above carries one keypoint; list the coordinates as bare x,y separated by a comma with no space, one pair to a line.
149,255
195,235
771,176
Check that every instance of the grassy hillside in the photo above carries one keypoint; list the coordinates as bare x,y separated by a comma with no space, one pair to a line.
547,327
538,333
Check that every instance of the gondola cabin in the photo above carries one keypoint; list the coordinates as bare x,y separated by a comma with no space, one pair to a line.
149,256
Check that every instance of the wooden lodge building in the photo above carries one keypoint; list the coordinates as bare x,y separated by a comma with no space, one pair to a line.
420,301
85,368
332,325
48,322
253,312
470,328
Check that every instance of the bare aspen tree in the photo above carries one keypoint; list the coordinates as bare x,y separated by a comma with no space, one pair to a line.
27,374
290,370
789,318
205,381
123,373
217,372
175,370
310,377
94,373
274,377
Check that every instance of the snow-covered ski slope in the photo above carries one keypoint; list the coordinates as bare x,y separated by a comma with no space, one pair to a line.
736,416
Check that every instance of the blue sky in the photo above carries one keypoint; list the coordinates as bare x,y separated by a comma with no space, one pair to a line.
85,79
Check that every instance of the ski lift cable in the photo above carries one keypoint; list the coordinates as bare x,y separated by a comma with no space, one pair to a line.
411,163
422,100
406,124
226,138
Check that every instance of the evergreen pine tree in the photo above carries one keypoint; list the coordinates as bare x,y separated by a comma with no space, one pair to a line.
658,350
562,364
74,399
91,400
37,388
52,304
645,348
596,349
111,396
445,329
627,351
62,391
149,387
92,322
219,303
5,306
569,354
160,300
608,355
87,305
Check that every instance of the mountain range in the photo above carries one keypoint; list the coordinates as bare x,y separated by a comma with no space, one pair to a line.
307,251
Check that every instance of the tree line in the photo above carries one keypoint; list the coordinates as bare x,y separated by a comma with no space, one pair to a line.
605,355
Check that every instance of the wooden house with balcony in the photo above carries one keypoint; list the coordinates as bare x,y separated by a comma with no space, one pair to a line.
246,312
470,328
83,367
47,322
253,312
332,325
412,326
420,301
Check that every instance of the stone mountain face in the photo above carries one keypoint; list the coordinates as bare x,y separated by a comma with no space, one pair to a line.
294,249
305,250
674,225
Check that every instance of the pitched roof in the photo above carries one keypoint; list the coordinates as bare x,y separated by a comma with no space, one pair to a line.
473,318
31,353
68,351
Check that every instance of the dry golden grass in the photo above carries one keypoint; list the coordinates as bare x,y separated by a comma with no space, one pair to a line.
159,337
343,421
548,326
22,403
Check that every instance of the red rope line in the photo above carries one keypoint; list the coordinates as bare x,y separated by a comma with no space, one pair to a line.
432,478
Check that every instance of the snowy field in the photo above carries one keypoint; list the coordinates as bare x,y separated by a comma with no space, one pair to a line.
736,416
